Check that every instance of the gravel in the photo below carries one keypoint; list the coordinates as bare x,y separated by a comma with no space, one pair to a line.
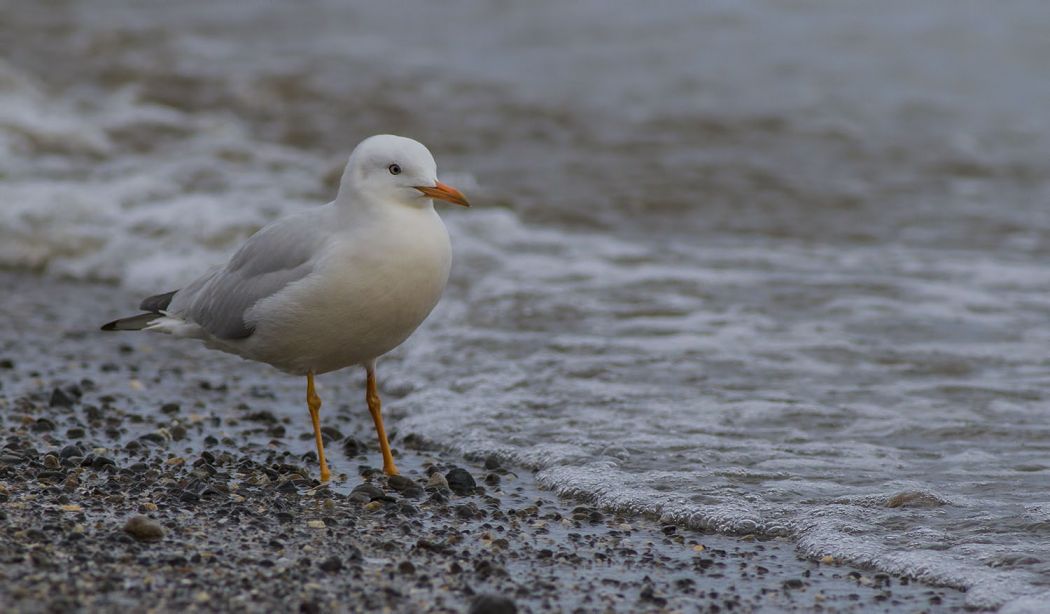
158,479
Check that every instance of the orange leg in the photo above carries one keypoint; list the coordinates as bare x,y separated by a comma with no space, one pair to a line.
375,407
314,403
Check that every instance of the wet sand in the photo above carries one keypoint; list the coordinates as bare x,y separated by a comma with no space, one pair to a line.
138,471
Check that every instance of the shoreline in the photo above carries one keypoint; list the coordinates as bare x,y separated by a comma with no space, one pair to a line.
216,454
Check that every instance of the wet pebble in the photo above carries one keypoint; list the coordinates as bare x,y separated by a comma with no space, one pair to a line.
460,481
493,604
61,398
353,447
70,451
144,529
332,564
437,481
400,482
361,491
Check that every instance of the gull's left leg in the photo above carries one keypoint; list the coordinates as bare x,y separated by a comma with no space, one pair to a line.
375,407
314,403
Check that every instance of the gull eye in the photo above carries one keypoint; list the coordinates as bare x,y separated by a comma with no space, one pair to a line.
395,169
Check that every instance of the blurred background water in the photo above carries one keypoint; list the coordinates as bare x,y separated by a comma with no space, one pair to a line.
763,267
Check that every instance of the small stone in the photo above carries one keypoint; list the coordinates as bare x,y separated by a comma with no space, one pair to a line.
437,481
793,583
827,559
331,564
316,524
367,490
330,434
144,529
352,447
72,507
407,568
493,604
149,506
43,425
170,408
202,597
915,498
61,398
461,482
400,483
70,451
51,462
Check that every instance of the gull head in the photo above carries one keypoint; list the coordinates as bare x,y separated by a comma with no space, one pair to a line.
393,169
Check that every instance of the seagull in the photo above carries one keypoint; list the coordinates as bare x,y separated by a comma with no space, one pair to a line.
329,287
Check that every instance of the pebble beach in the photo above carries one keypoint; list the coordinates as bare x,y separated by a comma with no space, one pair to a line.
129,481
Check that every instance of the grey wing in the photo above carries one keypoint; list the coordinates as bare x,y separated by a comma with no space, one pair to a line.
274,257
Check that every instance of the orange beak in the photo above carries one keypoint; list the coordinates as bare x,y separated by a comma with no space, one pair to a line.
445,192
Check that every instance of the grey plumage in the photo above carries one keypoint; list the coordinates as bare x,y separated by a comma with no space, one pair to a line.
274,257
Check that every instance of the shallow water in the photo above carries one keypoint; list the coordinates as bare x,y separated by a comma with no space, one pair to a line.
755,266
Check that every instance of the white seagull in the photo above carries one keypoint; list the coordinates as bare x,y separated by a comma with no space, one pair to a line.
330,287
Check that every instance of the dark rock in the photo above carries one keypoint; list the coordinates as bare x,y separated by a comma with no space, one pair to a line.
61,398
169,408
330,434
793,583
262,416
331,564
468,511
75,433
369,490
144,529
43,425
649,594
70,451
154,438
492,604
492,462
400,482
460,481
353,447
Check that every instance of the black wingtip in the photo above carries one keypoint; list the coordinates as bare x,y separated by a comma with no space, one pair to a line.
110,325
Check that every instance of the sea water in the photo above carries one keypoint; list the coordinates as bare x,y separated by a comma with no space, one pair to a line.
761,267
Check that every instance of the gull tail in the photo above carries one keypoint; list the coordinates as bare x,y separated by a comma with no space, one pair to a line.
155,305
